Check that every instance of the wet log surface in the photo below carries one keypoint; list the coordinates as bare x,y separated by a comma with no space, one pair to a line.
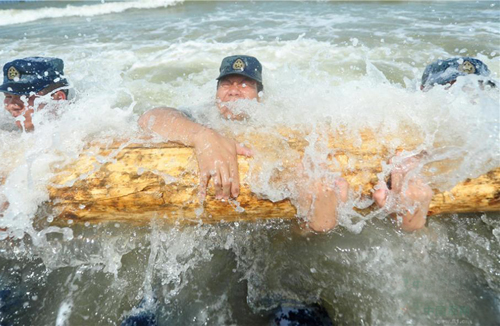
138,182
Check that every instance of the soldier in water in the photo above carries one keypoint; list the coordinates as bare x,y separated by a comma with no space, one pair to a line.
27,80
446,72
409,191
240,78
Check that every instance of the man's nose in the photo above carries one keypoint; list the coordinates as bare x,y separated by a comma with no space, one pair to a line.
234,89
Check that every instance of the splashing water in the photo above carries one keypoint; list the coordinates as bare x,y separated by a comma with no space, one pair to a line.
327,65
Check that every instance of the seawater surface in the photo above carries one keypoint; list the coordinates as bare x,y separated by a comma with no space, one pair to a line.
344,64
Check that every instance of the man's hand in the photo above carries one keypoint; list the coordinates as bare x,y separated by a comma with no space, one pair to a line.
319,200
323,214
216,154
217,160
411,201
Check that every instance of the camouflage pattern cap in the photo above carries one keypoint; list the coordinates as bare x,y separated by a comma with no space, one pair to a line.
241,65
31,75
443,72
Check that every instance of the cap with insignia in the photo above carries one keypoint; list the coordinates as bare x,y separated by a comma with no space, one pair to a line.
243,65
443,72
31,75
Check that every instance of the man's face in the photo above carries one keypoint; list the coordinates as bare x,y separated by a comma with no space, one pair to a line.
21,105
233,88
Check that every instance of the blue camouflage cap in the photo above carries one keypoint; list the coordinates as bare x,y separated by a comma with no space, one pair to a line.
241,65
443,72
31,75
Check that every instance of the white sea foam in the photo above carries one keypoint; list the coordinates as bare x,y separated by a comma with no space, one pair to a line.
327,86
14,16
319,68
64,313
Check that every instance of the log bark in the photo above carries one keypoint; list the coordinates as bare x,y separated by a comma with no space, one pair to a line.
138,182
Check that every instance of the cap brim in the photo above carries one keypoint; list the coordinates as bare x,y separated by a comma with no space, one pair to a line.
242,73
11,89
21,89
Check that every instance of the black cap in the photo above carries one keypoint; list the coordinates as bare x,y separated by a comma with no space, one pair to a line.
243,65
31,75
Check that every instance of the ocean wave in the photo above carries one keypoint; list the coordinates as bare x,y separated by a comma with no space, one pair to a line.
14,16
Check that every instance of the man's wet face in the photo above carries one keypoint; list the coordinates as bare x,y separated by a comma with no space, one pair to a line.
233,88
20,105
236,87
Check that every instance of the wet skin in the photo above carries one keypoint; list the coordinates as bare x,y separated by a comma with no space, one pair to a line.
216,154
233,88
409,196
18,105
22,105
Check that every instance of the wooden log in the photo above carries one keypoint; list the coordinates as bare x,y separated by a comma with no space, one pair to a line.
481,194
134,183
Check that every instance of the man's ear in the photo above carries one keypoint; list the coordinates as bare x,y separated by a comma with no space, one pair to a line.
59,95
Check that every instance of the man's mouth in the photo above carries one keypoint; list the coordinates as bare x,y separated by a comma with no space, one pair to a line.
234,98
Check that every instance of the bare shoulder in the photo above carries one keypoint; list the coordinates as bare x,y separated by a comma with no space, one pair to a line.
161,109
159,112
165,108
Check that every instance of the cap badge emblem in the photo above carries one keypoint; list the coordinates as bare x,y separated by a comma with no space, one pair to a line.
467,67
12,73
239,65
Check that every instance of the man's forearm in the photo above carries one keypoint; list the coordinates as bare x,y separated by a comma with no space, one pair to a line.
171,125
